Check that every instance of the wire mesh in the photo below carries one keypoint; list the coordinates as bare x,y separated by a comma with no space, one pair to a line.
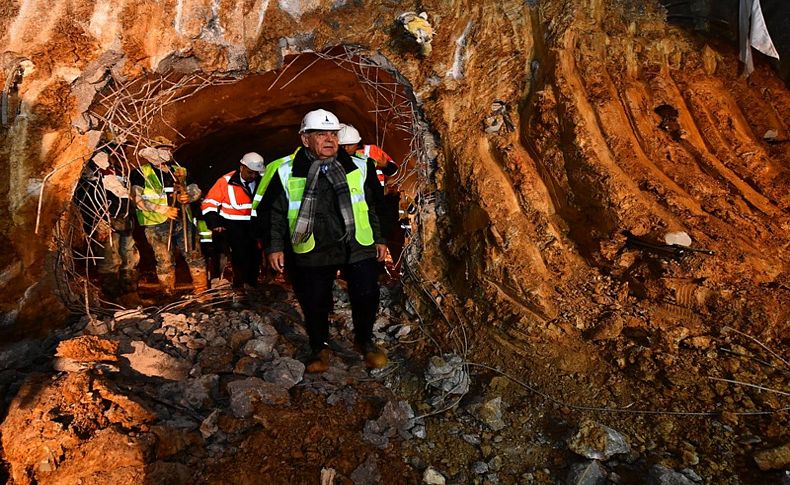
130,113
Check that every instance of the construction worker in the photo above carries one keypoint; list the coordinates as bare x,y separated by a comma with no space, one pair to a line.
418,27
161,191
228,208
388,201
103,197
319,215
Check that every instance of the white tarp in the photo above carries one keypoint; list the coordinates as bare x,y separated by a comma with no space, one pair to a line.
753,33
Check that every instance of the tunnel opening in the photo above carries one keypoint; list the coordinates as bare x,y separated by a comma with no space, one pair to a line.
214,120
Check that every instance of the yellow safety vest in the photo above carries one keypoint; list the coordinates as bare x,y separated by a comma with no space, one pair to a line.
203,231
268,175
294,190
153,191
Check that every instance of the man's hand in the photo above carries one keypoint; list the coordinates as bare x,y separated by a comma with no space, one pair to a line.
381,252
183,197
277,261
172,213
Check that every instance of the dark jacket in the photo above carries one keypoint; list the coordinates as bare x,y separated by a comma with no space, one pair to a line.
328,226
96,202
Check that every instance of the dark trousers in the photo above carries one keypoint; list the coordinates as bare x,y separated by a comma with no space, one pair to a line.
212,255
245,257
313,288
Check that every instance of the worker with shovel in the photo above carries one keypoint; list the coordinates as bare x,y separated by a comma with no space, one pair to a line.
162,193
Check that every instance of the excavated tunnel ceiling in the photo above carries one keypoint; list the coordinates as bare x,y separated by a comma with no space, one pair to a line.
262,113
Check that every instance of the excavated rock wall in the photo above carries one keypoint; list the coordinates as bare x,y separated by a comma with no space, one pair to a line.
529,219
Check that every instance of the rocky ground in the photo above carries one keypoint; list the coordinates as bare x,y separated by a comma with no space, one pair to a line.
555,126
196,394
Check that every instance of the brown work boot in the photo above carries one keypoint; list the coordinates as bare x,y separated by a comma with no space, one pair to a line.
167,282
318,362
375,358
130,300
199,280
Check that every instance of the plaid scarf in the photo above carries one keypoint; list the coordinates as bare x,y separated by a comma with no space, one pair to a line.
334,172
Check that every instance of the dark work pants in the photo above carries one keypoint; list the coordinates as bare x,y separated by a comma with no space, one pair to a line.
245,257
313,288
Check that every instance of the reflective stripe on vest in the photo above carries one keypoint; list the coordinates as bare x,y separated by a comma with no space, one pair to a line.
233,209
268,175
294,191
228,200
154,192
203,231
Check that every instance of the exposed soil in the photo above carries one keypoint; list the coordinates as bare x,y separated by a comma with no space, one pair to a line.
519,263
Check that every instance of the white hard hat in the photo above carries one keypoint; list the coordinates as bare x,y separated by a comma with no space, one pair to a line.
320,119
253,161
348,135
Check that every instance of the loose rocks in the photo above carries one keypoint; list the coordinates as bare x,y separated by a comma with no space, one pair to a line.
774,459
661,475
155,363
587,473
244,394
448,374
598,442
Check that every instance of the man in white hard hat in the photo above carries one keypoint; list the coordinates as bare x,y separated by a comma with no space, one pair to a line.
320,218
388,200
227,209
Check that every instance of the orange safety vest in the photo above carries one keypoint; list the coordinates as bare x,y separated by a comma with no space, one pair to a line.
377,154
230,201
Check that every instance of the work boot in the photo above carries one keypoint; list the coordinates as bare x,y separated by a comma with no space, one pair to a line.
375,358
130,300
110,285
318,362
128,285
168,283
199,280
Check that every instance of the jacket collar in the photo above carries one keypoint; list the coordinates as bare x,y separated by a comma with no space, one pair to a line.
235,178
302,163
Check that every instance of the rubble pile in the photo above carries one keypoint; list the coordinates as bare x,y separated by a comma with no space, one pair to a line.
175,389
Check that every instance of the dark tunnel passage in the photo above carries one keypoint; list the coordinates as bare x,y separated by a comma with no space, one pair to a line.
262,113
215,126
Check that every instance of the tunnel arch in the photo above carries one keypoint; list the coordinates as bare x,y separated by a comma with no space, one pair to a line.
213,120
262,112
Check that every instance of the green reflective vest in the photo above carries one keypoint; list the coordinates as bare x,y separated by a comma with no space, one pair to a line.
294,190
268,174
153,191
203,231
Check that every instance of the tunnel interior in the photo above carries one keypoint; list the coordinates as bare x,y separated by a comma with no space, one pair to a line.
214,127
